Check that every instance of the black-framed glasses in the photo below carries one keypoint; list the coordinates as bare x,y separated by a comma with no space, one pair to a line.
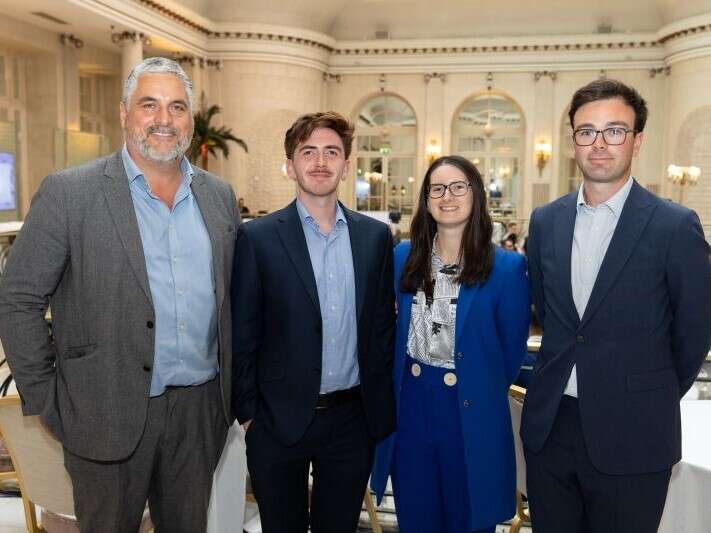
456,188
613,136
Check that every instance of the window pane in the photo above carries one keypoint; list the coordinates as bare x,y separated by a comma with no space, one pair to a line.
471,144
386,109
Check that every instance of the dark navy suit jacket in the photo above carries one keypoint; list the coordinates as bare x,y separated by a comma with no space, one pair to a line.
641,341
277,343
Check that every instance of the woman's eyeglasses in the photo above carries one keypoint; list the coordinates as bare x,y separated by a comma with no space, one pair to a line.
456,188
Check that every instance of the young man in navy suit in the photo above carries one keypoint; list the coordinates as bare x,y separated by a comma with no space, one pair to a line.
621,281
314,322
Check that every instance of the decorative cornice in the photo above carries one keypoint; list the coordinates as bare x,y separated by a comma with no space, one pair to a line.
545,74
167,12
704,28
486,46
134,36
220,34
441,76
194,61
68,39
327,76
653,72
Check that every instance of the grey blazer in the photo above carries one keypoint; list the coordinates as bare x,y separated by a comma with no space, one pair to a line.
80,251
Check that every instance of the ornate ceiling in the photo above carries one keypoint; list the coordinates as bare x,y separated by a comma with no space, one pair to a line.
418,19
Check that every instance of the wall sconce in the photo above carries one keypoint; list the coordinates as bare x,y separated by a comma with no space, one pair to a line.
543,152
432,151
683,175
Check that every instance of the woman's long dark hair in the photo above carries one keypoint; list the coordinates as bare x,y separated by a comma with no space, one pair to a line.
476,249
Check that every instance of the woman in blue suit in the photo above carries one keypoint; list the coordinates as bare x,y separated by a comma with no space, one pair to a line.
461,335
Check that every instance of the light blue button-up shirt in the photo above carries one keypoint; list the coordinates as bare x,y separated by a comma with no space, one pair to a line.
178,255
332,262
594,227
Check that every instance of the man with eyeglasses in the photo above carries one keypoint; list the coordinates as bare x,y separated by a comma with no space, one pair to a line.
621,281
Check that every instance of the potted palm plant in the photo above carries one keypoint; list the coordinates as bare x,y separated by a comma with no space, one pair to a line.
208,139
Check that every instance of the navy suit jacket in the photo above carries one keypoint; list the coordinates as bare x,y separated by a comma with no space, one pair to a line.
277,343
490,342
641,341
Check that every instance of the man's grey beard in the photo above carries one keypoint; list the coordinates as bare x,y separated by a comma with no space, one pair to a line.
146,150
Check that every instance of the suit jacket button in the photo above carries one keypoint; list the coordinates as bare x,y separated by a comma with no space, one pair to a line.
147,368
466,403
149,324
460,355
580,339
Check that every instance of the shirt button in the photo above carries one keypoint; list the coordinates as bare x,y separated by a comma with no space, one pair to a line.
333,308
466,403
182,326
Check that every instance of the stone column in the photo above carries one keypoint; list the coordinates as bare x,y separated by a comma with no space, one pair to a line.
70,76
131,44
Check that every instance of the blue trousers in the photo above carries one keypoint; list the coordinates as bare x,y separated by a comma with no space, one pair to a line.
428,473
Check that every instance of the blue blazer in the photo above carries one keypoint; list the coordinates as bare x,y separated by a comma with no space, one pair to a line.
641,341
491,333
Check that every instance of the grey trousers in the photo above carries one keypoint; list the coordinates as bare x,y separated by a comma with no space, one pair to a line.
171,468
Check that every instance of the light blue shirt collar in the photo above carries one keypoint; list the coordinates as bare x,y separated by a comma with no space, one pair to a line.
615,203
133,172
306,217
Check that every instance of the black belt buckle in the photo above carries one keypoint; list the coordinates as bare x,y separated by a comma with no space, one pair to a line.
336,398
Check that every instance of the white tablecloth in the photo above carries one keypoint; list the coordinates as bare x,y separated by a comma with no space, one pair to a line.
688,506
226,512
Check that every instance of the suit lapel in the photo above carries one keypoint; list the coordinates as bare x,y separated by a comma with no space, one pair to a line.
464,301
205,199
120,206
292,237
564,226
359,251
633,220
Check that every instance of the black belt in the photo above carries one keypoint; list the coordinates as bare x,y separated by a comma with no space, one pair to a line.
339,397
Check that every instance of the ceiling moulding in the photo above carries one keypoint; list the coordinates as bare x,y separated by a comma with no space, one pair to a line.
554,43
133,16
685,27
687,39
259,32
495,65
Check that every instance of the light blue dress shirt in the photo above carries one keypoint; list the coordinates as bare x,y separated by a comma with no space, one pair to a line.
178,255
594,227
332,262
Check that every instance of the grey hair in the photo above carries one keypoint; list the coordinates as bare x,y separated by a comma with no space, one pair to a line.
156,65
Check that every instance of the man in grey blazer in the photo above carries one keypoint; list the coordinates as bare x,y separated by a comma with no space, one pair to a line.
133,252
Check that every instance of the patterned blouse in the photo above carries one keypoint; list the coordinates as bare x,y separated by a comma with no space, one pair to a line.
430,339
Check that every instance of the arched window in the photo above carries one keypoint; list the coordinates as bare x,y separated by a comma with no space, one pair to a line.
386,146
488,130
569,173
692,148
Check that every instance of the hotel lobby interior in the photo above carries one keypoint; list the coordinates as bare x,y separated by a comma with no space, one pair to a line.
490,80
